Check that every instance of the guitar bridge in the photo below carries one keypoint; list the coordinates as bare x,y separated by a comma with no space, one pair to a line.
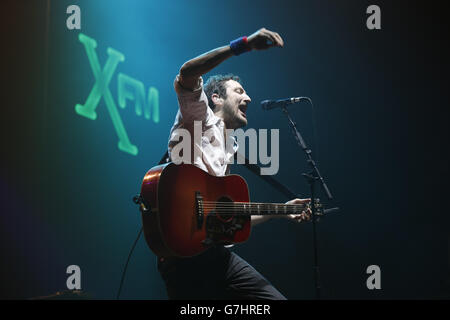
199,209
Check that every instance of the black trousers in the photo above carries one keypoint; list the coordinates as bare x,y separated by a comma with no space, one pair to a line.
215,274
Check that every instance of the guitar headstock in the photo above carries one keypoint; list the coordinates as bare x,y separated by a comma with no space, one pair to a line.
318,207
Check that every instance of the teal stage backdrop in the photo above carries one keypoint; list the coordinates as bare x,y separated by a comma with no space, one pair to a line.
88,111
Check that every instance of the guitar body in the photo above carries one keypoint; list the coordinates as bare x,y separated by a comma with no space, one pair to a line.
190,210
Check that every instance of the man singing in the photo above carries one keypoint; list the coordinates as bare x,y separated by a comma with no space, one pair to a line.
221,103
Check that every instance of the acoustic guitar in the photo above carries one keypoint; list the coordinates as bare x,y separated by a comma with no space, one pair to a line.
185,210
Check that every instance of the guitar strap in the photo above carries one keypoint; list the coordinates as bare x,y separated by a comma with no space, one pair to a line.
255,169
165,158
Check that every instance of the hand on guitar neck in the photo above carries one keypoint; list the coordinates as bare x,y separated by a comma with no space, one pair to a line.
305,215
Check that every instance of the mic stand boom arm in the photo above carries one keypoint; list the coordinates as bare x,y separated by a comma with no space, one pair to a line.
311,178
308,152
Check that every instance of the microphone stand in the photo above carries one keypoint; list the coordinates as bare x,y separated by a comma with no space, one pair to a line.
311,178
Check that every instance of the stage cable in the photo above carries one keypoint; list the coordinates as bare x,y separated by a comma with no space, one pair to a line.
126,264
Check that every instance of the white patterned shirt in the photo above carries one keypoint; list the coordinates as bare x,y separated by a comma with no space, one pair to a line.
211,151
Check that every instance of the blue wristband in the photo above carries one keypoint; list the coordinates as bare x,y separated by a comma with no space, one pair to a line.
239,46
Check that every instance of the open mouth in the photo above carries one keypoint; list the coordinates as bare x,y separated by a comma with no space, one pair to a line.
243,109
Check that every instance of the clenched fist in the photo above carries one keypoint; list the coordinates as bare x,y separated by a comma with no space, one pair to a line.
264,39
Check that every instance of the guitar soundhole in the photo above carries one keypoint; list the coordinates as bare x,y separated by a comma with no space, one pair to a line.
223,222
224,209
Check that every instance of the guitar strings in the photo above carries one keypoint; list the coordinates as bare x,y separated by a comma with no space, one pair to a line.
252,204
247,204
253,207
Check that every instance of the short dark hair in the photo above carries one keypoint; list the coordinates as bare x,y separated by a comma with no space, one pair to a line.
216,84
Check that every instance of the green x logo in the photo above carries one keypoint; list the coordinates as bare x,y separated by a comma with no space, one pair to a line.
101,89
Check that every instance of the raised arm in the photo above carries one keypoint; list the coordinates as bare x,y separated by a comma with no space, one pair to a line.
198,66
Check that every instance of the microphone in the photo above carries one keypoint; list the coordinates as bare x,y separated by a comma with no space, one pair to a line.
271,104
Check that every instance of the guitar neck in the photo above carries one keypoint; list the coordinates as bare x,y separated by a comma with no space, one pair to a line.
261,209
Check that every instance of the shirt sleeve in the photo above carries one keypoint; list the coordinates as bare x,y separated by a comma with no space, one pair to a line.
193,104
